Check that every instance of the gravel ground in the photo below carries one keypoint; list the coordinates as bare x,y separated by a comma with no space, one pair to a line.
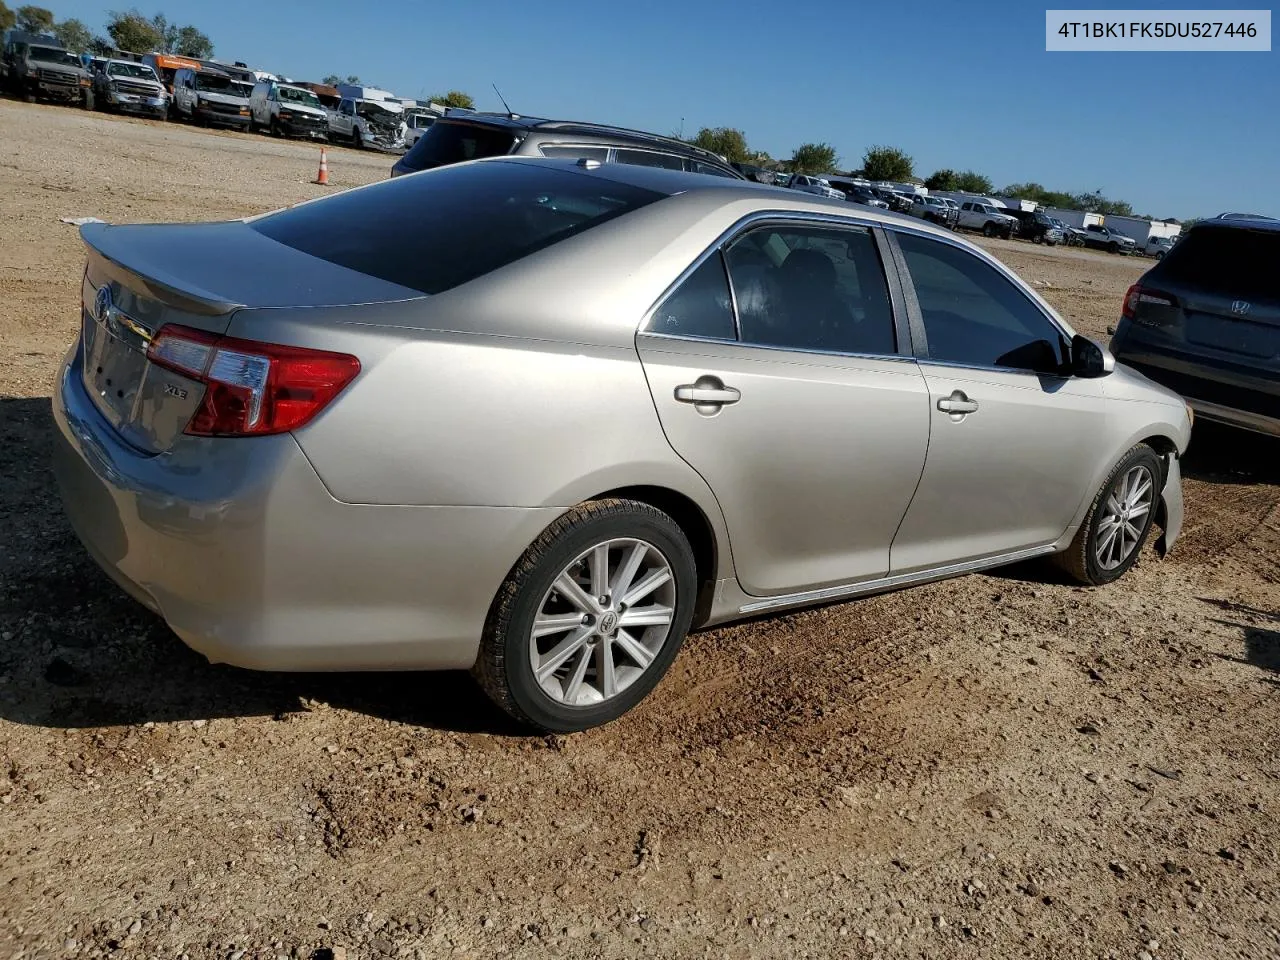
998,766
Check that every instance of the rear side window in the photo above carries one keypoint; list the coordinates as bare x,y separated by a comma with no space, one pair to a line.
700,307
438,230
811,288
1229,262
452,142
567,152
697,166
647,158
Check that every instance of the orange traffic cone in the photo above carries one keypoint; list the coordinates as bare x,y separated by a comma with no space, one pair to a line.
322,177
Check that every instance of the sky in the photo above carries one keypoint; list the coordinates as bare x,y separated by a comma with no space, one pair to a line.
954,85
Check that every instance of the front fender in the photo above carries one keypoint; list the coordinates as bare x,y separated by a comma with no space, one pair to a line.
1170,513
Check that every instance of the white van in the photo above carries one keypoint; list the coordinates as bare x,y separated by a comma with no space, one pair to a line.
211,98
285,110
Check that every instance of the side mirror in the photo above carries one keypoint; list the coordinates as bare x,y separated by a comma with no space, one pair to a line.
1090,359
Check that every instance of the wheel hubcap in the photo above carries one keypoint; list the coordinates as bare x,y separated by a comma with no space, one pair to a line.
603,622
1125,515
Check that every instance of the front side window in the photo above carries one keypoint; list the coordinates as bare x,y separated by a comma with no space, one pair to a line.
700,307
811,288
974,315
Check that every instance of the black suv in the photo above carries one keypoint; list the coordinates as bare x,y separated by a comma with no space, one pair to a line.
453,139
1035,226
1205,321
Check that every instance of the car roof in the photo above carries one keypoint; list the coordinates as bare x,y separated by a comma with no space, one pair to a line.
1240,221
584,128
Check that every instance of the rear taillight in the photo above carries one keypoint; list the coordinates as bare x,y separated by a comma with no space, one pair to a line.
1138,295
251,388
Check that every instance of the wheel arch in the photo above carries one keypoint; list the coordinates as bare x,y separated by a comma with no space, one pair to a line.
693,520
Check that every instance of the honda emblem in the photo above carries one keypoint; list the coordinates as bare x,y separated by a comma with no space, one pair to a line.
1241,307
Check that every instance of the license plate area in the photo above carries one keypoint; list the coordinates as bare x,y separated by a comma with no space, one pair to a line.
113,371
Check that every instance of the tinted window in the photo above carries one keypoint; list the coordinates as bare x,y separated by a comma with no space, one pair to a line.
1231,262
574,153
973,315
441,229
647,158
811,288
699,307
697,166
453,142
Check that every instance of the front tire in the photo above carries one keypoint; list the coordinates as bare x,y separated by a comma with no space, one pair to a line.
590,617
988,230
1118,522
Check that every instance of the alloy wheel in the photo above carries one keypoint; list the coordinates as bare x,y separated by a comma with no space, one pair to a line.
603,622
1126,513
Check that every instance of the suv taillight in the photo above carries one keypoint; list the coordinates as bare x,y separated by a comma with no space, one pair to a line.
251,388
1138,295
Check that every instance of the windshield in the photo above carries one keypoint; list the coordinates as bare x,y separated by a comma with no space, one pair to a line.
452,142
214,83
295,95
376,111
54,55
141,71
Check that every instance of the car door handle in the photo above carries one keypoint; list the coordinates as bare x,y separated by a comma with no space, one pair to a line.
704,392
957,404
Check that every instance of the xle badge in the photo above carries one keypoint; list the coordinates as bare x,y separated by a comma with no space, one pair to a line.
171,391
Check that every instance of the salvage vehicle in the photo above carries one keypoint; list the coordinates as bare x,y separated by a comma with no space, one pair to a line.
166,67
128,87
38,67
366,123
1035,226
470,136
211,98
1158,246
286,110
1205,321
934,210
416,123
815,185
1098,237
976,215
538,418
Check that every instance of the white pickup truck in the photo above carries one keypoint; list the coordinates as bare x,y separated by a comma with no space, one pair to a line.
814,185
975,215
367,123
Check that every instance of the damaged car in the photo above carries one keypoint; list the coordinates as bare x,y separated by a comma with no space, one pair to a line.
128,87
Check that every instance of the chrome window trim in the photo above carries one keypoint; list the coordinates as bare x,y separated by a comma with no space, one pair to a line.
748,222
895,357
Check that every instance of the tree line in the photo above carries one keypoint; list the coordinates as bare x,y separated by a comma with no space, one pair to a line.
891,164
125,30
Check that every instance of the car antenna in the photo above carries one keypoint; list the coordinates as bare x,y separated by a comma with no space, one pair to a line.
510,115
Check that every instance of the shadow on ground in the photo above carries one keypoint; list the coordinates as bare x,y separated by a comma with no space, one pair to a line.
1219,454
76,651
1261,643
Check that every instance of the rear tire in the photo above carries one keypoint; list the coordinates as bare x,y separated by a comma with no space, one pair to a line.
1112,535
572,693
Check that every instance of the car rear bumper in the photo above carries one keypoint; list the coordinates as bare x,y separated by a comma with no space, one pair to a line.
1218,390
237,544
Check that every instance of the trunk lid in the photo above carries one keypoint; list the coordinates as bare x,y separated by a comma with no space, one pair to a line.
141,277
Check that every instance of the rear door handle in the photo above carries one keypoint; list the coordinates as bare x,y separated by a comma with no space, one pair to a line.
708,391
958,404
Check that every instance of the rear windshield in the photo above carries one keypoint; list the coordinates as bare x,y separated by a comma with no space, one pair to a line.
1228,261
438,230
447,142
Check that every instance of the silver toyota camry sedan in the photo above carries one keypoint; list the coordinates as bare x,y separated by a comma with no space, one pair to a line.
538,419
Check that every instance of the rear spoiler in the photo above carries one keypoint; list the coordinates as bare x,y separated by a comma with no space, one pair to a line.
114,259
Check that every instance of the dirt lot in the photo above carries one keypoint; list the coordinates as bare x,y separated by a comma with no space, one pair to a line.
999,766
